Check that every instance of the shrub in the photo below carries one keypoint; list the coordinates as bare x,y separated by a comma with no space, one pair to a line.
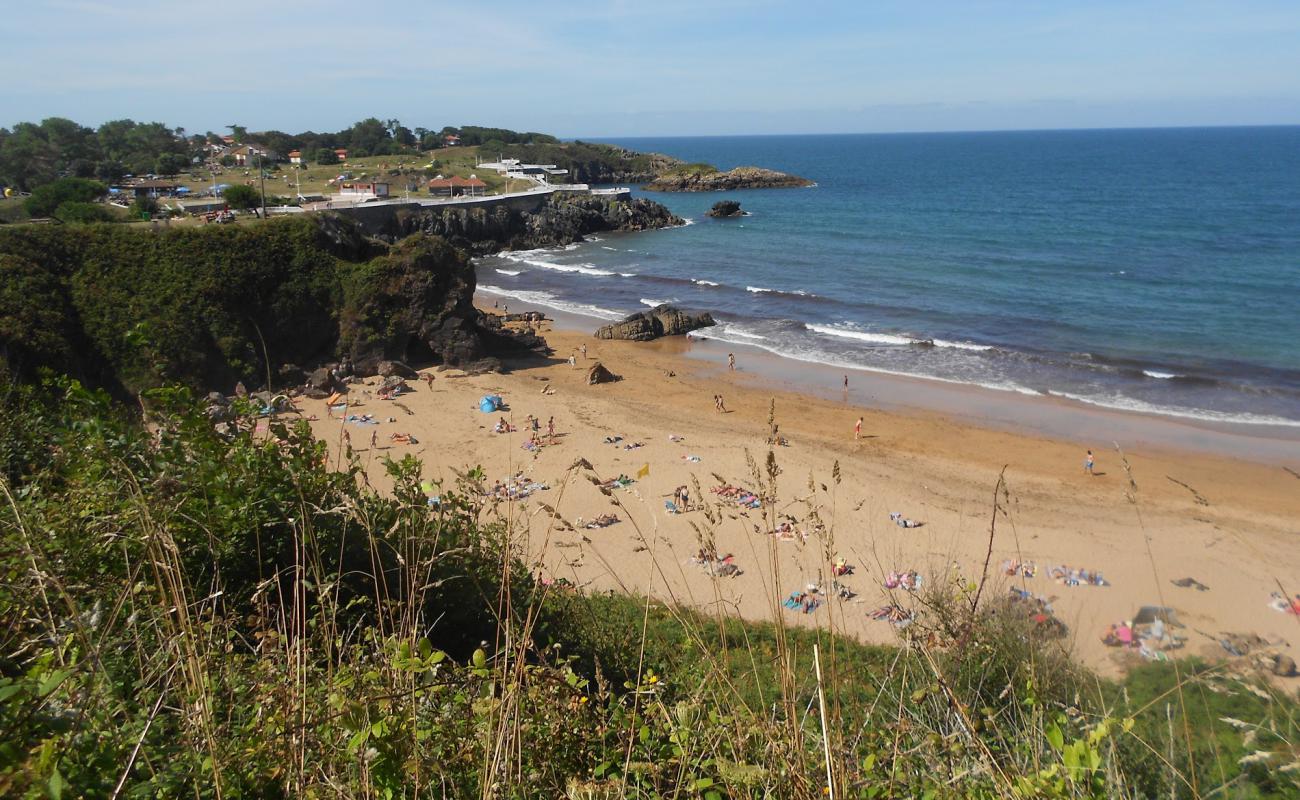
242,197
78,212
45,200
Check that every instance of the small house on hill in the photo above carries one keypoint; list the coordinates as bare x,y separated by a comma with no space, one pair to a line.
248,154
295,156
364,188
341,153
451,140
456,186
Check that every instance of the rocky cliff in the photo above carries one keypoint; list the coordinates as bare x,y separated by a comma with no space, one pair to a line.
562,219
698,179
130,309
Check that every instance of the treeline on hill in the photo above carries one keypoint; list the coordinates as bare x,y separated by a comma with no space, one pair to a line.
32,154
203,614
205,307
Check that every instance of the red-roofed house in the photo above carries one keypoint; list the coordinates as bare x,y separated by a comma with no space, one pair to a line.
456,185
295,156
342,153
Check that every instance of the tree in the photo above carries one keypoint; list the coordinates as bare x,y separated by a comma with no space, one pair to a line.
144,207
238,133
27,157
46,199
170,163
242,198
325,156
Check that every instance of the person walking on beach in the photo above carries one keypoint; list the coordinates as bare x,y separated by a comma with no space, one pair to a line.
857,429
721,406
374,440
731,361
550,428
584,351
1087,463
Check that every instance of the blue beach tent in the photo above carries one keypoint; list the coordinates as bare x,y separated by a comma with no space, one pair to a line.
490,403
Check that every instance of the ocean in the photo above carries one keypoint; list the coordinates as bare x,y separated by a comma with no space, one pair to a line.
1154,271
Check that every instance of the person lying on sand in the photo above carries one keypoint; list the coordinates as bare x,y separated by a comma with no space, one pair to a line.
403,438
907,580
603,521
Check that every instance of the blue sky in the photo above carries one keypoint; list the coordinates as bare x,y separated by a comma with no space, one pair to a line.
655,67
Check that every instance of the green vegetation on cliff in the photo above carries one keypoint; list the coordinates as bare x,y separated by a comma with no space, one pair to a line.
206,307
205,615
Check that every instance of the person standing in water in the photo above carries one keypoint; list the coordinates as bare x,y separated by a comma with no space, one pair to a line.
731,361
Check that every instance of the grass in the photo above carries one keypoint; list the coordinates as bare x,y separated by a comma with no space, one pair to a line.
223,615
314,178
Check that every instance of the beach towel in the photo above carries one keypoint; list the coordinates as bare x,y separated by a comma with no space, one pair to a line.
671,507
644,472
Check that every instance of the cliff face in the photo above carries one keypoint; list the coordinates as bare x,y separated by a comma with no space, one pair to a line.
129,309
704,180
562,219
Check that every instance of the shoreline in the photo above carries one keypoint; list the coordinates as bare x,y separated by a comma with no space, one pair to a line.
1043,415
1227,523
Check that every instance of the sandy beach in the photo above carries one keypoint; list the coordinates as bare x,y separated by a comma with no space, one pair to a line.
1229,523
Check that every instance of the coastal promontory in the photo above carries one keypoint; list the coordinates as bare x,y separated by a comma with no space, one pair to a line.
705,178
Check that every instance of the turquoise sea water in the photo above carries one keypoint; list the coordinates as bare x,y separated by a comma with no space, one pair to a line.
1149,270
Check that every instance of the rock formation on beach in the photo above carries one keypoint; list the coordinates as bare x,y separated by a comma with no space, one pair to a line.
725,209
703,178
662,320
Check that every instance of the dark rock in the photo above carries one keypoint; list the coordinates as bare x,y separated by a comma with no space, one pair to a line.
483,366
218,412
564,218
291,375
1283,666
724,209
662,320
316,394
367,366
689,179
599,374
390,368
321,379
392,382
217,399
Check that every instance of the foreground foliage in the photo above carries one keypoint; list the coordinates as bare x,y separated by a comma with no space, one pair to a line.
191,615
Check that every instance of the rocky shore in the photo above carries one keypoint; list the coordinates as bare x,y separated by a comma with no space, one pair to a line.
704,180
563,219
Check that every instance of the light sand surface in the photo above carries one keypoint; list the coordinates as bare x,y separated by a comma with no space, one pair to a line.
1232,524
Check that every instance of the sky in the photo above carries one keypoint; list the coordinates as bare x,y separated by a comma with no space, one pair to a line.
655,67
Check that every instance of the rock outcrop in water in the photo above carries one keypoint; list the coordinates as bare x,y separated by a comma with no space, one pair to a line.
662,320
701,178
726,209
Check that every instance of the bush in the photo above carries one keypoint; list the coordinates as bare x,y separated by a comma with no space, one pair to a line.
144,207
242,198
45,200
83,213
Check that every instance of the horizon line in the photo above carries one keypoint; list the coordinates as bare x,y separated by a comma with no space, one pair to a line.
590,137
